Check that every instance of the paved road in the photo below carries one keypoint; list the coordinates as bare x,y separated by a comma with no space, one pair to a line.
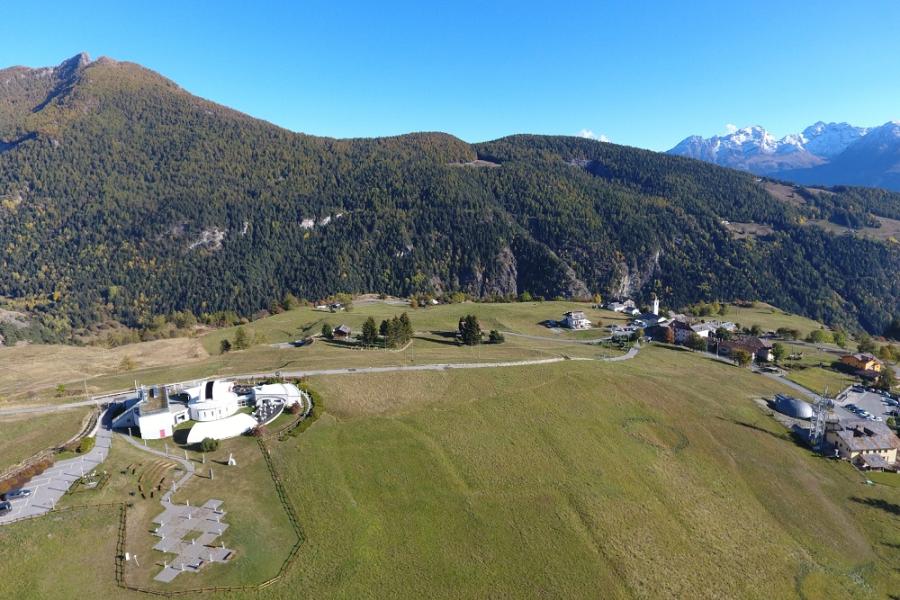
438,366
345,371
48,487
45,408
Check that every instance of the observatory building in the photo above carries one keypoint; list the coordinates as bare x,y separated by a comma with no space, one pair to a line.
214,405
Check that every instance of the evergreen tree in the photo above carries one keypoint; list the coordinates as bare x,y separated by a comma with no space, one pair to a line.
470,330
327,330
406,328
369,332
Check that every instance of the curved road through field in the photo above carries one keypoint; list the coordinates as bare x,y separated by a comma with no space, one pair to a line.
348,371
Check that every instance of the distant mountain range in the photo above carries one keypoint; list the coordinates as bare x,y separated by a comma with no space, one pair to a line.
823,153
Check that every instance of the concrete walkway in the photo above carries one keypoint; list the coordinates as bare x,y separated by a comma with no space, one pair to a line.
48,487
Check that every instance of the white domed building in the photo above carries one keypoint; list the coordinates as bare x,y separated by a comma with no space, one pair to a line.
213,400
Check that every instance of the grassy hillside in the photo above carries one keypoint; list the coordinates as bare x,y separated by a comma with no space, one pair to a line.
657,477
128,199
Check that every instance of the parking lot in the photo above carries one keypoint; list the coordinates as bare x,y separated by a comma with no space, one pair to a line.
48,487
874,403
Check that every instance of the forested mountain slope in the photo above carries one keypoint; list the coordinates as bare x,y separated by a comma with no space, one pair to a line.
122,196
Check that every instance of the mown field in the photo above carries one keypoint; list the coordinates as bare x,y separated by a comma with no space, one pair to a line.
24,436
651,478
99,370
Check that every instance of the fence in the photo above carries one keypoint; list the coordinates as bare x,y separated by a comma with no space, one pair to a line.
285,566
88,423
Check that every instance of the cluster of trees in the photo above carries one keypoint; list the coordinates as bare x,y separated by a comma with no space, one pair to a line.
396,332
135,200
391,333
706,309
242,341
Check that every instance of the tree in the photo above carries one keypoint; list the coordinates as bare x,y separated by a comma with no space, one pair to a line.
289,302
865,344
526,296
819,336
885,380
723,334
495,337
695,342
470,330
127,364
598,299
755,329
224,346
778,352
241,339
383,328
209,445
61,390
85,445
327,330
840,338
741,357
369,332
406,328
788,333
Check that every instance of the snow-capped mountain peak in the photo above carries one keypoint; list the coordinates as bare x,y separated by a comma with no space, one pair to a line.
755,149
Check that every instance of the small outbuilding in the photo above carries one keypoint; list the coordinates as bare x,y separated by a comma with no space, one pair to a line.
793,407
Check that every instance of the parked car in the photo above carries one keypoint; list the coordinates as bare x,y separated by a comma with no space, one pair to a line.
5,507
16,494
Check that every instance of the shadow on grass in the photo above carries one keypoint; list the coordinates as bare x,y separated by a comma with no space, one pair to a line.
884,505
443,342
797,435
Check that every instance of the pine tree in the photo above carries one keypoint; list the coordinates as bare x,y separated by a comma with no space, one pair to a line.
470,330
369,332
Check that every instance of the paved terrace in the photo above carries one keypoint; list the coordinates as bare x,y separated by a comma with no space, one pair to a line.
189,532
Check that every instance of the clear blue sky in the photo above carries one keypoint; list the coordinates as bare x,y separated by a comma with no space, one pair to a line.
642,73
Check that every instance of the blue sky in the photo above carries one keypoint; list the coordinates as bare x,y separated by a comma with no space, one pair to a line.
641,73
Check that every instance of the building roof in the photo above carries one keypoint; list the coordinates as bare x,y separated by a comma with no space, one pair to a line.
860,434
862,357
675,325
343,329
221,429
874,461
749,343
575,314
